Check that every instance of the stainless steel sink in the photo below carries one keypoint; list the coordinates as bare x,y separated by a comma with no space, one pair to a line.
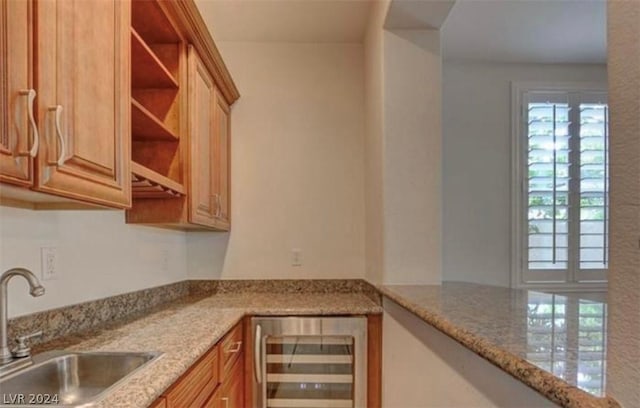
71,379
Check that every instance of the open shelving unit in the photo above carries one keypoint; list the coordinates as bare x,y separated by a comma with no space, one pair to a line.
181,91
148,70
157,50
145,125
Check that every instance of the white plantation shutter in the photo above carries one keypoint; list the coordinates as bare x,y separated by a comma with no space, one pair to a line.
594,187
563,138
548,184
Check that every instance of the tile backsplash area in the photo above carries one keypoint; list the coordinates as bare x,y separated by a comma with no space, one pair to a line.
93,315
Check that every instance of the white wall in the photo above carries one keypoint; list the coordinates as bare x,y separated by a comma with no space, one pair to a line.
477,163
98,256
297,165
436,371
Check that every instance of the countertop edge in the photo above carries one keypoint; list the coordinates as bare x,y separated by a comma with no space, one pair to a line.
547,384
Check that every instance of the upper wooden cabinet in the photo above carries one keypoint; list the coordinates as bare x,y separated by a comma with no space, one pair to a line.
222,160
83,93
204,205
17,94
68,61
181,170
209,161
102,104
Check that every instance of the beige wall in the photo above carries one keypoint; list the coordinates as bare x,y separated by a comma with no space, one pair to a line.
412,156
297,165
374,144
422,367
98,256
623,348
403,152
298,182
477,162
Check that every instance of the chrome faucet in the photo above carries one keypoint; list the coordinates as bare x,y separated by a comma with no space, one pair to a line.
35,290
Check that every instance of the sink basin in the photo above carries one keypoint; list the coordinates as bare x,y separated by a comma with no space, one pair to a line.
70,379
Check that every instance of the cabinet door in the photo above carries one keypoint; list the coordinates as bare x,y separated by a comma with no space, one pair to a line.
83,65
235,386
222,145
18,137
231,393
203,204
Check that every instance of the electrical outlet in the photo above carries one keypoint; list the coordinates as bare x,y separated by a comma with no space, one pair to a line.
296,257
49,258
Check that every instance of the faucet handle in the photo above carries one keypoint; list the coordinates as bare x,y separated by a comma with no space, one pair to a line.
22,350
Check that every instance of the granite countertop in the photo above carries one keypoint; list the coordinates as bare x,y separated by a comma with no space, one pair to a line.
186,330
553,343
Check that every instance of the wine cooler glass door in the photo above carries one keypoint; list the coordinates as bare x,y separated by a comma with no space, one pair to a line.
311,370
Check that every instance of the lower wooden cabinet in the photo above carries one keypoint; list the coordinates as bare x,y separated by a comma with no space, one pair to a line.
216,380
159,403
231,392
196,386
223,377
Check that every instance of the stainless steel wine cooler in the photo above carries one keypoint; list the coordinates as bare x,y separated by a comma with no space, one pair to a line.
310,362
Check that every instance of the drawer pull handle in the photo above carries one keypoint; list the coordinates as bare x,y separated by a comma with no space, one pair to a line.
31,96
226,401
235,347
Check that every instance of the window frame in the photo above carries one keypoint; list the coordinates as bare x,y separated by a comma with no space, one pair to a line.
518,159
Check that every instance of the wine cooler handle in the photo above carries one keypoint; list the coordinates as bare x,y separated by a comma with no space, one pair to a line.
257,355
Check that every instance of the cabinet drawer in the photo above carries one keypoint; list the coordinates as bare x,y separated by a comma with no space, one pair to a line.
195,387
233,387
230,348
231,393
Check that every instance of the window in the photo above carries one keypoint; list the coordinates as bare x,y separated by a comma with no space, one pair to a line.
561,185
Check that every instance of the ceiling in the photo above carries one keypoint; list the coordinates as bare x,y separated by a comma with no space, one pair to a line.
417,14
527,31
539,31
286,20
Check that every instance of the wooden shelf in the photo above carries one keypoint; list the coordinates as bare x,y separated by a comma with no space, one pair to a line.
146,183
147,71
145,126
151,22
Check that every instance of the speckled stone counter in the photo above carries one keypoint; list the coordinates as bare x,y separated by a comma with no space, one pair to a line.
553,343
186,330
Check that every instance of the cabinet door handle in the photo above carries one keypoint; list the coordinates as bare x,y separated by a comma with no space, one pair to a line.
257,354
218,205
63,146
226,401
31,96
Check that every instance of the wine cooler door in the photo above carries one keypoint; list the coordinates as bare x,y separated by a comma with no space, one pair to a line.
321,367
